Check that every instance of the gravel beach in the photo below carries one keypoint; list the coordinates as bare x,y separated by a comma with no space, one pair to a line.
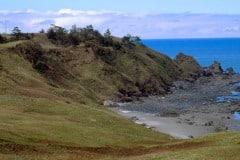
190,109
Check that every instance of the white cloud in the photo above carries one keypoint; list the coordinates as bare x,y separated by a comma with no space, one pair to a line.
145,25
79,20
80,12
232,29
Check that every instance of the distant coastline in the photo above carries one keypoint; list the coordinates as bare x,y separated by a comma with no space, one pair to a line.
204,50
190,38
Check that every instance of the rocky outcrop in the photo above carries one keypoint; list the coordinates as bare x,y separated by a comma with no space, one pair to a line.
215,68
230,71
189,65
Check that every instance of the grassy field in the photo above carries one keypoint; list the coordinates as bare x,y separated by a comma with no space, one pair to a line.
37,123
42,121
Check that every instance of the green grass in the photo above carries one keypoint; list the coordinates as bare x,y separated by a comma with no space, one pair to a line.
42,121
67,123
222,146
11,44
39,118
32,114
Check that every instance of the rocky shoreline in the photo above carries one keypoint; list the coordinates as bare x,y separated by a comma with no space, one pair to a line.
190,109
185,97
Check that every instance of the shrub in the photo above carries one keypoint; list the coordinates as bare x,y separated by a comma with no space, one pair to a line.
41,67
3,39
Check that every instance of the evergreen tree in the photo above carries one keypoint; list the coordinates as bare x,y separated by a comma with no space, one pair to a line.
16,33
107,34
108,41
42,31
74,35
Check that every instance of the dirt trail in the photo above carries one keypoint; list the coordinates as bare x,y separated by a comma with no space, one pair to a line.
7,147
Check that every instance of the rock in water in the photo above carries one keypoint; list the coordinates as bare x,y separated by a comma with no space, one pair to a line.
215,68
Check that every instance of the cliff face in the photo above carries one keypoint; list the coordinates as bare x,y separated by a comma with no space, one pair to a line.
92,71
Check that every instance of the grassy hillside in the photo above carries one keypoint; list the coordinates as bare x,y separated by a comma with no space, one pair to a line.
38,120
50,98
94,72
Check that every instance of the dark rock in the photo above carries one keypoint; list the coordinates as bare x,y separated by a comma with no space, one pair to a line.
206,72
190,123
191,80
230,71
134,118
169,114
237,89
215,68
126,99
209,123
181,84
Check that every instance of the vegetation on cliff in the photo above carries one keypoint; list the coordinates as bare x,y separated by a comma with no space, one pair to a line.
96,66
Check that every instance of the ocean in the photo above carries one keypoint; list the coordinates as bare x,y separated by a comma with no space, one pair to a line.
204,50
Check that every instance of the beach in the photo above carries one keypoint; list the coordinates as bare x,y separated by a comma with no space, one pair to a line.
210,104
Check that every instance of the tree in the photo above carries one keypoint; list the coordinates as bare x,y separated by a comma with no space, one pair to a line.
61,34
74,35
42,31
16,33
107,41
136,39
57,34
51,34
131,39
126,38
87,33
107,34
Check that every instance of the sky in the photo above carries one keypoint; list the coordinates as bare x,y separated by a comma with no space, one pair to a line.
145,18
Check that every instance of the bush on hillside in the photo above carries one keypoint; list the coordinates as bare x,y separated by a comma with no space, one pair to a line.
18,35
3,39
131,39
41,66
30,50
57,34
106,54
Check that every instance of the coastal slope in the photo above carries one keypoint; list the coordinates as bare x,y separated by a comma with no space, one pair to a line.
52,95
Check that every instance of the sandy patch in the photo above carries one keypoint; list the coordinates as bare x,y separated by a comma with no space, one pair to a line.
186,125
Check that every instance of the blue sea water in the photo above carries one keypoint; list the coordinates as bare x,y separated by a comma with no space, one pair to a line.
205,50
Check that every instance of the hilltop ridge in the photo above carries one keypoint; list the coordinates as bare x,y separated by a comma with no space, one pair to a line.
99,70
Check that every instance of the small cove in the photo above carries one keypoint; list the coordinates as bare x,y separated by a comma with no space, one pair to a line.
191,112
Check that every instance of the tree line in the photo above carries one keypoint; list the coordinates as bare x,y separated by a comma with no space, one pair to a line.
61,36
76,35
15,35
